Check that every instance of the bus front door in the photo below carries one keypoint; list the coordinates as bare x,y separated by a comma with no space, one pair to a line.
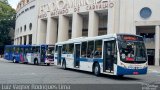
43,53
108,57
59,55
77,56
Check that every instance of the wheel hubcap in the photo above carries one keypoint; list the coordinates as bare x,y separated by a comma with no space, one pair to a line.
96,70
63,65
36,61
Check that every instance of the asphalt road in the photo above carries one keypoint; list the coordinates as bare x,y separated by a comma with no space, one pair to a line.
15,73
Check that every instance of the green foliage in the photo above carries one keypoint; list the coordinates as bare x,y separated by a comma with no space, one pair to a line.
7,22
4,1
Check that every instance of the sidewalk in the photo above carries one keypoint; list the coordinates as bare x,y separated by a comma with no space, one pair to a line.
154,69
2,59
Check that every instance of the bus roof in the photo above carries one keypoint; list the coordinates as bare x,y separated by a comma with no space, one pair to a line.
16,45
80,39
28,45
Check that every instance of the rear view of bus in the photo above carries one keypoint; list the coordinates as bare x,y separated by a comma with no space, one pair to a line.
132,55
41,54
49,55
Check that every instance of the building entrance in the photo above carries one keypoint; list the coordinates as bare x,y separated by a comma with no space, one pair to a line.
148,33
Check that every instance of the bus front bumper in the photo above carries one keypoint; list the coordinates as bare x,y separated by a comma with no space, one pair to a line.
49,61
125,71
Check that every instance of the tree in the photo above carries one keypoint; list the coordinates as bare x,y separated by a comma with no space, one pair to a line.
4,1
7,22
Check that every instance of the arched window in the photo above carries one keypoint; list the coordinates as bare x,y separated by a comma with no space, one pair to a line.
25,27
30,26
21,29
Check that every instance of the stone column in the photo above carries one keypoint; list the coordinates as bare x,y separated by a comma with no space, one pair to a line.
93,24
157,45
22,40
16,41
63,28
19,41
77,25
122,8
38,31
113,18
27,39
51,37
41,33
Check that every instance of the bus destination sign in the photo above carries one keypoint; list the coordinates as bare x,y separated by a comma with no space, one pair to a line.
129,38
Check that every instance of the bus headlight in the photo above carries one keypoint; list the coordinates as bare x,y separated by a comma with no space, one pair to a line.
123,65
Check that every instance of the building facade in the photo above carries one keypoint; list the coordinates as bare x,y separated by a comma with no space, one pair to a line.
26,22
51,21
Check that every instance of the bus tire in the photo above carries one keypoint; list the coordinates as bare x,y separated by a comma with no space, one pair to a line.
14,60
64,65
35,61
48,64
120,76
96,69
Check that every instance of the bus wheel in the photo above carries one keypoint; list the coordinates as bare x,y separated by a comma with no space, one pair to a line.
35,62
64,65
14,60
48,64
96,69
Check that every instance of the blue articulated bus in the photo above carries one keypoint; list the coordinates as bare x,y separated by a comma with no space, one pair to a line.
34,54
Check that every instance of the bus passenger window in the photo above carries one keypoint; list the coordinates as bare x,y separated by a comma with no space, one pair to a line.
71,48
35,49
98,49
90,50
12,50
64,49
7,50
17,50
56,49
21,50
83,49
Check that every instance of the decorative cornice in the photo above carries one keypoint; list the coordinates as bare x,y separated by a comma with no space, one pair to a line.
21,4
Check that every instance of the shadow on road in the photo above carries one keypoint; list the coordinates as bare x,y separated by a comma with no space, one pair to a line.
32,64
103,75
120,78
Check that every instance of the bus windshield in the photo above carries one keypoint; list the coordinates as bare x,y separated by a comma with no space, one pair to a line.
132,51
50,50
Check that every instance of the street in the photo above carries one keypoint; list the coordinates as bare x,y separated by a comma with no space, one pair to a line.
14,73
